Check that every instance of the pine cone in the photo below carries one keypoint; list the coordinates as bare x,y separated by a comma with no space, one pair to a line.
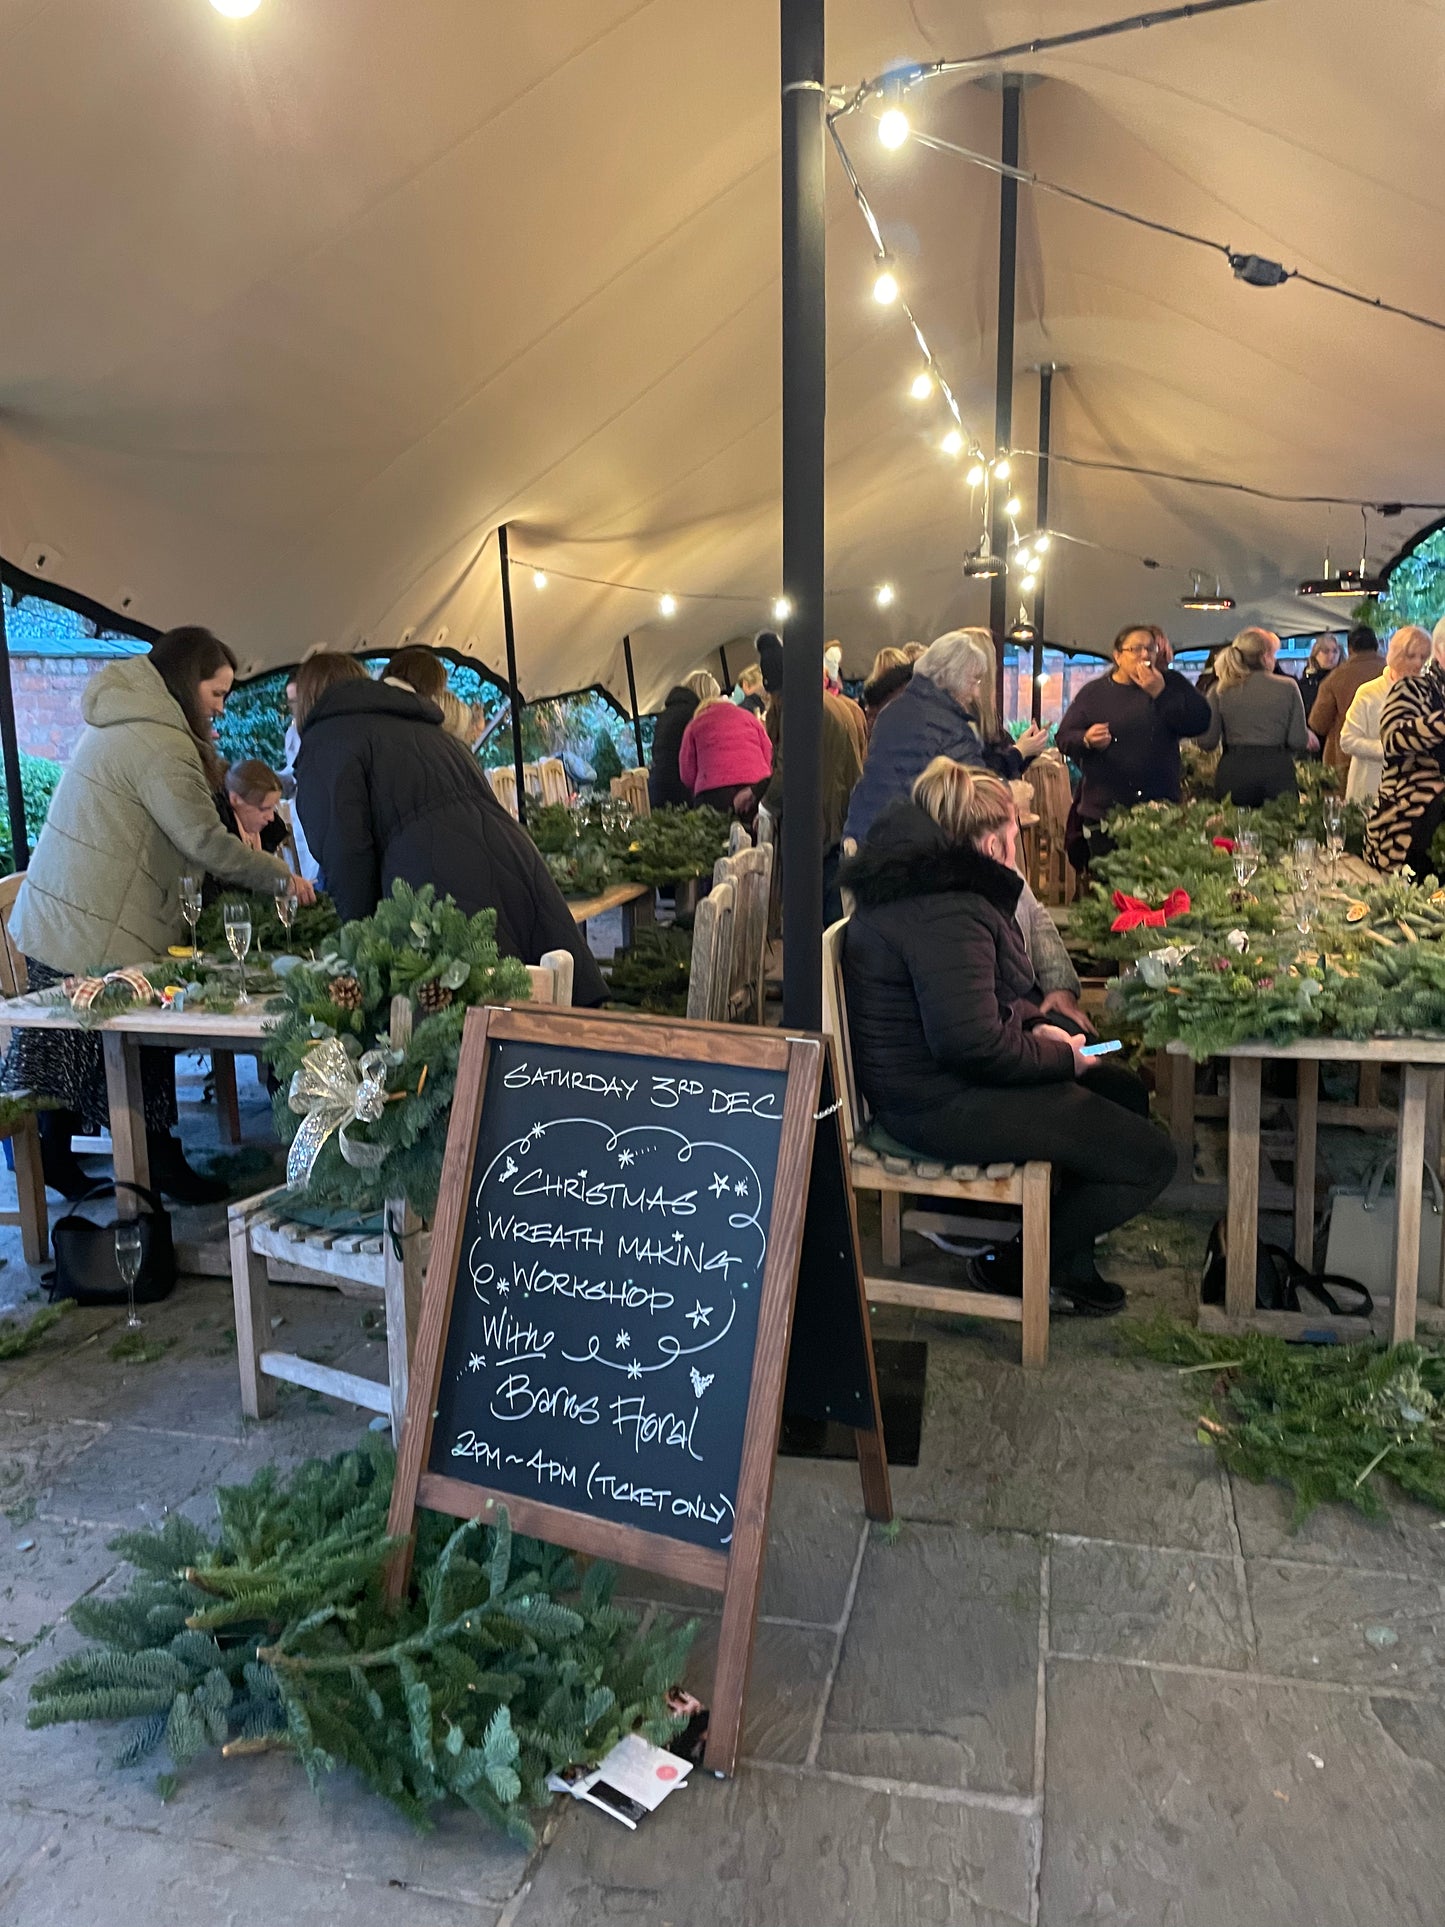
433,996
346,993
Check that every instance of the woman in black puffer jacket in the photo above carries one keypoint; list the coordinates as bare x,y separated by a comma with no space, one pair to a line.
385,794
953,1047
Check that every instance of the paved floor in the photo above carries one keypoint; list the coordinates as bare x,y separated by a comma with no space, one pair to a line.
1089,1680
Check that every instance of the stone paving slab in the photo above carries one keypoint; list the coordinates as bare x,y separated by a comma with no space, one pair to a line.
55,1872
791,1665
938,1677
38,1585
1410,1540
777,1849
1368,1629
1092,1447
1195,1800
1137,1602
35,1453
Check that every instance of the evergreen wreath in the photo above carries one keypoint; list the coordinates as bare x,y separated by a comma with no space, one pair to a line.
590,848
502,1665
413,941
315,924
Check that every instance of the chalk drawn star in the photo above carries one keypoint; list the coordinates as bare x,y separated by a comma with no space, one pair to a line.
719,1184
741,1187
583,1176
623,1341
699,1315
677,1237
624,1158
475,1362
634,1370
503,1286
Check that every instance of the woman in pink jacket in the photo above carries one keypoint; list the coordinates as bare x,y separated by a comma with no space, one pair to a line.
726,757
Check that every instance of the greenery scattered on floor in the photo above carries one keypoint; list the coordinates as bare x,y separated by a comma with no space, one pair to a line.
134,1348
18,1336
504,1663
1331,1421
1166,1241
652,973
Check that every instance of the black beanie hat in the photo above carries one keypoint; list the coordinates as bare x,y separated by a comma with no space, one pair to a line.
770,660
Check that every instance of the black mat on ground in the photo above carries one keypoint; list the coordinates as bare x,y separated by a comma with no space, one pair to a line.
902,1375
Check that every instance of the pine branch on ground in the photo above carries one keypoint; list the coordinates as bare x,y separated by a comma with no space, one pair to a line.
503,1665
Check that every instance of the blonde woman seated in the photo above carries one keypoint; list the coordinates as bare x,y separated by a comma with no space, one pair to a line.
957,1048
1407,655
1259,719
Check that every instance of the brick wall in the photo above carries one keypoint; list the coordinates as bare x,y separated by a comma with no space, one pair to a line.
47,702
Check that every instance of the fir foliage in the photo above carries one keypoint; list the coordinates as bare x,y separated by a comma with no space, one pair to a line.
314,926
590,848
18,1336
413,939
504,1664
653,972
1331,1422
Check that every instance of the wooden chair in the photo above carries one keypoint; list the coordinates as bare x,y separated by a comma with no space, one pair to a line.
503,780
1051,879
709,981
360,1261
631,788
33,1216
750,873
880,1163
552,781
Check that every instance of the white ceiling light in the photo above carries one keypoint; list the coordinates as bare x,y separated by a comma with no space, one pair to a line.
975,475
893,127
539,578
667,604
952,443
884,594
885,289
922,387
236,9
782,609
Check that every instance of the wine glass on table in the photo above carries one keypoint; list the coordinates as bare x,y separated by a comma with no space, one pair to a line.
1306,860
1246,857
237,920
286,904
129,1251
191,909
1334,832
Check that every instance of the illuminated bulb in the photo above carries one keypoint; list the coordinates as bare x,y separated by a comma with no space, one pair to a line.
667,604
952,443
922,387
539,578
782,609
1041,543
884,595
1030,581
893,127
1023,558
885,289
236,9
1001,468
975,475
1012,506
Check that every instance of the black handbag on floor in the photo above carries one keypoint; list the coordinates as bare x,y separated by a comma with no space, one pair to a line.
1279,1278
85,1266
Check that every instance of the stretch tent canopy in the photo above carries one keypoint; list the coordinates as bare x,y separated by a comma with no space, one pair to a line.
296,310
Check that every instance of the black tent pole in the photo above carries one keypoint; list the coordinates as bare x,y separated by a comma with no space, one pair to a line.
804,389
632,698
511,635
727,674
1003,405
1041,521
10,744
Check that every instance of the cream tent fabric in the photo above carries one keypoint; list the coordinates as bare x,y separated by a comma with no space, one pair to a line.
295,310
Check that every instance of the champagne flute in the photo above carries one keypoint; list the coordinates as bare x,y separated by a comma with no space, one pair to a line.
1246,856
286,905
237,919
1306,910
191,908
128,1254
1334,832
1306,857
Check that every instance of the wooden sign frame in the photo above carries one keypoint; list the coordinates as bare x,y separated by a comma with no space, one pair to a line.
736,1573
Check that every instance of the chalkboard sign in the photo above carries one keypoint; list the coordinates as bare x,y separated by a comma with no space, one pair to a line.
605,1325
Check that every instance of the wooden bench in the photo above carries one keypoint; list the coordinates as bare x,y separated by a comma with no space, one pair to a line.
878,1163
356,1258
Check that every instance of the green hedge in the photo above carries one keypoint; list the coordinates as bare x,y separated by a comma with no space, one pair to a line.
39,778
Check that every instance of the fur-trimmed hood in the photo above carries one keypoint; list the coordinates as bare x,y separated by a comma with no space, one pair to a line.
907,855
884,687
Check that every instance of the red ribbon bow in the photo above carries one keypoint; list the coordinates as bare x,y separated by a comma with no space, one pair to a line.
1223,842
1133,911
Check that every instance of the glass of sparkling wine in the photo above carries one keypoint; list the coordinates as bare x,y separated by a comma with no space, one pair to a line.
128,1254
1334,830
237,919
191,907
1246,857
286,904
1306,856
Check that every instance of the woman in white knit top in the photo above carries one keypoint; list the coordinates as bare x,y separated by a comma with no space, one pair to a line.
1407,655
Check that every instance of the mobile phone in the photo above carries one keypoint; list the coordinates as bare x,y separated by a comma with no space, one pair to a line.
1098,1050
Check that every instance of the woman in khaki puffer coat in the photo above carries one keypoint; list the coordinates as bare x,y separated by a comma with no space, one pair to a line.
135,811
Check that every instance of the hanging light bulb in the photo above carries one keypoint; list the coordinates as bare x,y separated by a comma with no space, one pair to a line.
922,386
236,9
1023,630
884,594
539,578
1029,583
1012,506
893,127
975,475
667,604
952,443
1042,541
1001,468
1024,558
782,609
885,288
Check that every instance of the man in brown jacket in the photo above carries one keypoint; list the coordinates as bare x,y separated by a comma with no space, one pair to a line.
1339,689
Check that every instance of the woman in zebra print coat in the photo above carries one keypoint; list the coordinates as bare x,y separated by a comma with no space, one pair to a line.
1410,806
